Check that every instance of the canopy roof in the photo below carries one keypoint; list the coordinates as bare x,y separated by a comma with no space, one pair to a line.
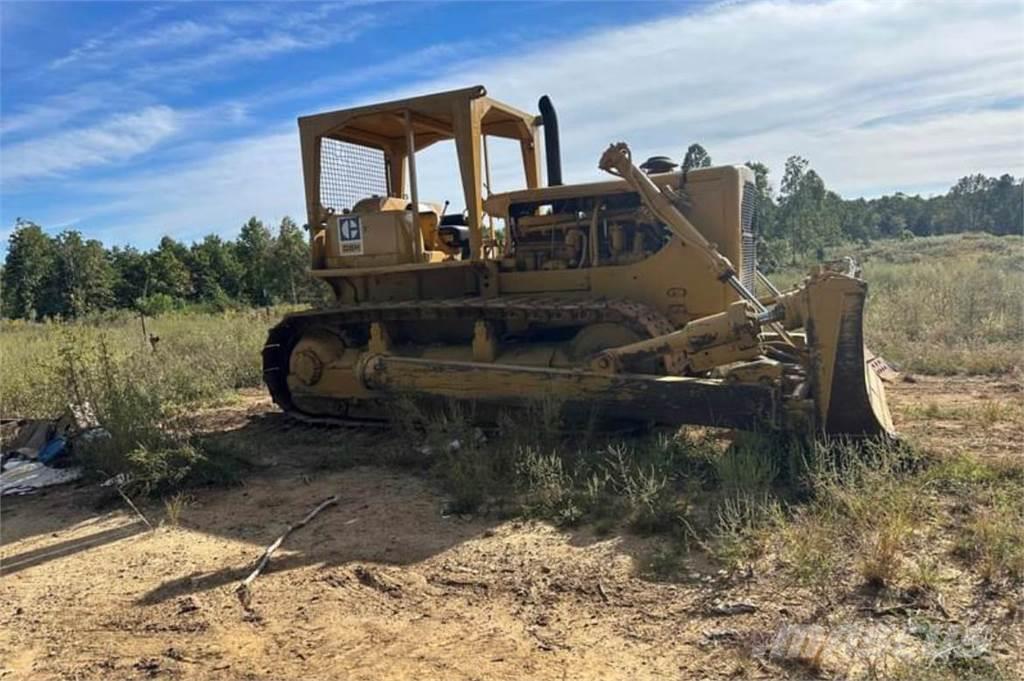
434,117
466,116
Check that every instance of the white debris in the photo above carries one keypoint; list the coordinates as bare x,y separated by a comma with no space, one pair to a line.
26,477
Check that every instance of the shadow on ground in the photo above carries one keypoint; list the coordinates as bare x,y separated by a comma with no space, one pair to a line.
387,514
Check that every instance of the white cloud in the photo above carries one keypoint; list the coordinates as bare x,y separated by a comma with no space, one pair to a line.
117,139
174,35
248,177
52,111
879,96
253,48
200,48
770,79
170,36
108,40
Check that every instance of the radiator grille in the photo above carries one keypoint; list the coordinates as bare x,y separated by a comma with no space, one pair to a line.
748,247
350,172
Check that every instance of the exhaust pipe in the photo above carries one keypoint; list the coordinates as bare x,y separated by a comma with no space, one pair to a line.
552,149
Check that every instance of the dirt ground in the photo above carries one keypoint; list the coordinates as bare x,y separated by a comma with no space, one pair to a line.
385,585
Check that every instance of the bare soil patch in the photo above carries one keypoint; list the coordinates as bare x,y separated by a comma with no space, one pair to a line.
387,585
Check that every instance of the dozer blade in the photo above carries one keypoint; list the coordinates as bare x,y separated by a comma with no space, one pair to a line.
848,386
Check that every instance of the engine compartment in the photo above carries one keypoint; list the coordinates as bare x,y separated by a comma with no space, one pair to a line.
581,233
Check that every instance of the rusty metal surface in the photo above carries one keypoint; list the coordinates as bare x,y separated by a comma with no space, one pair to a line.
857,406
670,400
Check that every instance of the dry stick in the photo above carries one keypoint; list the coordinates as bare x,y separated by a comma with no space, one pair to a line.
134,508
243,588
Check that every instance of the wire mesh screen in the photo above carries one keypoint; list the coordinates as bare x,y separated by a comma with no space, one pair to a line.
749,246
350,172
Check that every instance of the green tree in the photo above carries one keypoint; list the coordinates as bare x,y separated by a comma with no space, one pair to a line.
168,272
216,272
696,157
254,250
1006,197
290,258
969,199
808,217
858,221
131,275
765,208
28,267
82,278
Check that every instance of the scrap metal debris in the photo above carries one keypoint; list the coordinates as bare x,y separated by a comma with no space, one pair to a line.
36,452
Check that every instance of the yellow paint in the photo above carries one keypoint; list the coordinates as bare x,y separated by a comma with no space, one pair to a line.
570,243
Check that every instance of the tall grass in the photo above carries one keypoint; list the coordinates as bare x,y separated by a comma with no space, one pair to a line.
943,305
198,358
139,390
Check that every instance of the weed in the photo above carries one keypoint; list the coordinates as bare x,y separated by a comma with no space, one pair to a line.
643,487
958,471
665,561
547,486
467,477
746,466
925,575
993,411
880,550
174,506
863,507
810,548
987,413
742,520
943,305
407,419
993,538
461,456
200,358
551,422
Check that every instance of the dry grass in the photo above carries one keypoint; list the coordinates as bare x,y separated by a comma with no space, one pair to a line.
174,507
991,538
943,305
142,396
198,359
983,413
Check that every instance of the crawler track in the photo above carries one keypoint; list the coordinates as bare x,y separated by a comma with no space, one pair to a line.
538,310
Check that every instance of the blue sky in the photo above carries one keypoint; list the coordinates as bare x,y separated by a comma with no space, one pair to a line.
128,121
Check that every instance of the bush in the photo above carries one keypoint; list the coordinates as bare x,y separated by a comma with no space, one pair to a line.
992,538
198,359
139,394
861,513
157,304
135,440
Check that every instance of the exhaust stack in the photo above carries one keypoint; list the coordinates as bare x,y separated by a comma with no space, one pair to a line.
552,148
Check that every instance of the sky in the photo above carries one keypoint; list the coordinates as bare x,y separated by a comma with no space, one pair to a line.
128,121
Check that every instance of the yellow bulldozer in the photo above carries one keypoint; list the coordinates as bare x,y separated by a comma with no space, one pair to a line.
637,299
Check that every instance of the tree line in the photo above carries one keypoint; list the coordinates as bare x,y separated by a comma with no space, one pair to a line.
804,217
68,275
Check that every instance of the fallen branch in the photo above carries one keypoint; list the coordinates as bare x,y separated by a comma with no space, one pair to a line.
135,508
243,592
